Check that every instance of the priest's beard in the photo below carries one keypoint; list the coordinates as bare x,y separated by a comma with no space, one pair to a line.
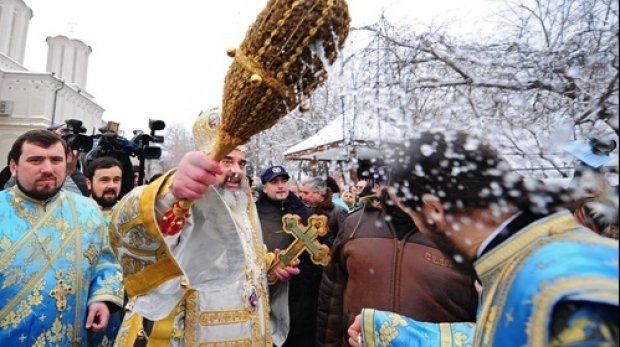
105,202
450,249
40,195
236,199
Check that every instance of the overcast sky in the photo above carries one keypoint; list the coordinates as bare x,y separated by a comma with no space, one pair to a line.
167,59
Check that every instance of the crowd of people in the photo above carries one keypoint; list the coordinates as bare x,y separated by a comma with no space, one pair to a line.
438,243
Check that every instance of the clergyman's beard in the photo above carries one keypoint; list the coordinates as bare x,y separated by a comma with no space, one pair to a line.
38,195
105,203
236,199
449,249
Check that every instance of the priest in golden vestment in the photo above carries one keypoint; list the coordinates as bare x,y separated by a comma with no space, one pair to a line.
195,273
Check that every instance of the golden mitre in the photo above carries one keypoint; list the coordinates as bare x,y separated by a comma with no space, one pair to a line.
205,130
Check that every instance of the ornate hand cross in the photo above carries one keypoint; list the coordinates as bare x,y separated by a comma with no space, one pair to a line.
305,239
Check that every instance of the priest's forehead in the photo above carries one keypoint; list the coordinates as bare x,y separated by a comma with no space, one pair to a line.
235,157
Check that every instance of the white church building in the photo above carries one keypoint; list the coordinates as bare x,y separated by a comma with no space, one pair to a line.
37,100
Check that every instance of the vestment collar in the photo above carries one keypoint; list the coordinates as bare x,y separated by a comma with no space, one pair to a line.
484,245
496,257
19,194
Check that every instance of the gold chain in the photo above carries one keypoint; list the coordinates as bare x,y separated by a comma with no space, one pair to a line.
61,290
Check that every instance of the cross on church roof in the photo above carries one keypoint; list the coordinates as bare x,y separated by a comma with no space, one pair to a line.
72,25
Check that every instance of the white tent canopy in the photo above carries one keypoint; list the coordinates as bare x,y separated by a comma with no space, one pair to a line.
329,143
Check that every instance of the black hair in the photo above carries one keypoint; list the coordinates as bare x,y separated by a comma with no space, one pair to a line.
39,137
465,173
101,163
331,184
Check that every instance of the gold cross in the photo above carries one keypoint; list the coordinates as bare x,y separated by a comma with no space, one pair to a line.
305,239
60,293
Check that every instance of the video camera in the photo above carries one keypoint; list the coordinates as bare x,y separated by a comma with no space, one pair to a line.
143,140
110,143
73,133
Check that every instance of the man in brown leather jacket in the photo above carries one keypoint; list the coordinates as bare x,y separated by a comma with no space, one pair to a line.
381,260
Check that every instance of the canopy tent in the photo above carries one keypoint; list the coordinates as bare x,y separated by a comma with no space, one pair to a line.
342,135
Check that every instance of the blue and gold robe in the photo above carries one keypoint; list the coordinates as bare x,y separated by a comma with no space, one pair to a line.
553,283
55,260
